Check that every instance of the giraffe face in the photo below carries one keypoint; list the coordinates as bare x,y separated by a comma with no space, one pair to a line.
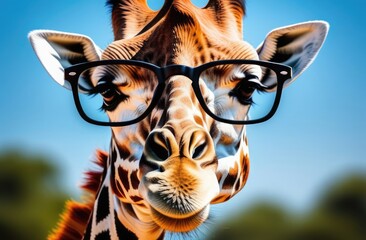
180,145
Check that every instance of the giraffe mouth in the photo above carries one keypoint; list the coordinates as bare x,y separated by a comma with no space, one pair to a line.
180,196
180,223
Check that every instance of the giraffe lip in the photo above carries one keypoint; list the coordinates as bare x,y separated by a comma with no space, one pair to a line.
179,223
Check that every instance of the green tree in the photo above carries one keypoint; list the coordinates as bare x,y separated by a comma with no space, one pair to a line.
340,214
263,221
30,197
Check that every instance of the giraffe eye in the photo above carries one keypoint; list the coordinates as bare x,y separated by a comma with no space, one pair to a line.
111,95
244,90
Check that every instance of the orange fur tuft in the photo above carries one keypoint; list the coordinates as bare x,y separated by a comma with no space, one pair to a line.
73,222
75,218
93,177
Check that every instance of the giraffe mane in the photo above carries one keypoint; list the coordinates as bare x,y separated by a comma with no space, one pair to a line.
76,215
133,17
124,22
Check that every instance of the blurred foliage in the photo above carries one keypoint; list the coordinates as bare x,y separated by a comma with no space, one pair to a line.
30,197
340,214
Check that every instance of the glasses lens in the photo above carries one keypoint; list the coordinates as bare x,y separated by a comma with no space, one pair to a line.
116,93
241,92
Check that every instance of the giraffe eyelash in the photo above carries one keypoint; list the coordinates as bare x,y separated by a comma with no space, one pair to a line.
112,105
251,84
112,97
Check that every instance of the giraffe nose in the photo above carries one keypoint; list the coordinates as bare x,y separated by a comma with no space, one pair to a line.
159,146
162,144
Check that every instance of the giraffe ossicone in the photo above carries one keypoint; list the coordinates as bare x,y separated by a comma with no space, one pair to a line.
163,172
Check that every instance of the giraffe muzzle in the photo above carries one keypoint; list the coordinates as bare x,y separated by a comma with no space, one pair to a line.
178,178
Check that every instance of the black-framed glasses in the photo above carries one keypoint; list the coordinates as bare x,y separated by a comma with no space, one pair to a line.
123,92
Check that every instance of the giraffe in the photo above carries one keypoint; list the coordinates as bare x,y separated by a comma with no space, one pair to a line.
165,169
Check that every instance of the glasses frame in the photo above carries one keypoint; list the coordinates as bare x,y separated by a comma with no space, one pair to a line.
73,73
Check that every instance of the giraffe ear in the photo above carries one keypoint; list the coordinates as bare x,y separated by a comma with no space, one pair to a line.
59,50
296,45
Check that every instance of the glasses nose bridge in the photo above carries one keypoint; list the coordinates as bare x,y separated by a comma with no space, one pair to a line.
174,70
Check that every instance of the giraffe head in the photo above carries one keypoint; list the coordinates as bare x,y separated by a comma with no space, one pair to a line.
177,159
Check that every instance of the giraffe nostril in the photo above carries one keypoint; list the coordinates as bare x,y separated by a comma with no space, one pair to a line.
158,147
199,150
159,152
161,168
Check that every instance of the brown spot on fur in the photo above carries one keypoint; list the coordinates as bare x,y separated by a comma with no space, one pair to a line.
124,151
219,176
119,192
136,198
231,177
219,199
198,120
123,175
134,180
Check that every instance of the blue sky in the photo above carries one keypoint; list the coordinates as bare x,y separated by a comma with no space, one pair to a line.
317,135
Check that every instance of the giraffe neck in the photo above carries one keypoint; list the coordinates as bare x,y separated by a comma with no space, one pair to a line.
116,215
